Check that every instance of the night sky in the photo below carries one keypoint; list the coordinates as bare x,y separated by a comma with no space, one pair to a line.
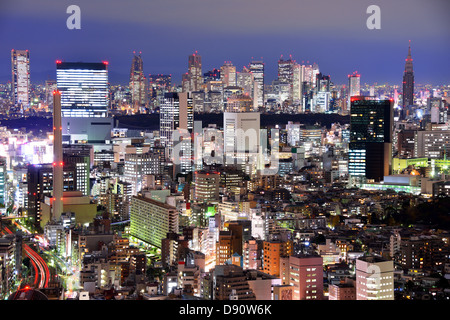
332,33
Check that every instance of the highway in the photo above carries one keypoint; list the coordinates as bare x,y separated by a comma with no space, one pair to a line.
41,270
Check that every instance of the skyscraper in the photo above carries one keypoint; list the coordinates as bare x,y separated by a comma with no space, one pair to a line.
195,72
84,102
138,82
354,84
370,149
257,69
228,74
408,80
20,69
84,88
297,83
285,70
176,113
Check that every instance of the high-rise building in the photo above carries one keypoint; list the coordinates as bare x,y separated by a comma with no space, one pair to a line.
433,144
20,69
285,70
370,149
257,69
176,122
228,244
374,278
242,138
40,186
206,186
228,74
84,102
84,88
245,80
297,83
195,72
305,274
272,252
408,80
159,84
151,220
354,84
138,82
230,283
212,75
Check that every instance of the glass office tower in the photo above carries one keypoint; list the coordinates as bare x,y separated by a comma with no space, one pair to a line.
370,149
84,89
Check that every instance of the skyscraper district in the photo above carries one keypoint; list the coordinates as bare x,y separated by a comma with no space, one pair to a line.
223,182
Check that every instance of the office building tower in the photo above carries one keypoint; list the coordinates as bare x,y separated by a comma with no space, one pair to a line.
323,83
20,84
242,139
245,80
159,84
137,166
285,70
138,82
434,144
176,112
374,278
354,85
370,149
84,103
82,166
50,87
230,283
297,84
305,274
309,77
228,74
257,69
40,186
408,81
58,170
272,252
286,74
84,89
212,75
195,72
206,186
151,220
240,103
314,72
229,244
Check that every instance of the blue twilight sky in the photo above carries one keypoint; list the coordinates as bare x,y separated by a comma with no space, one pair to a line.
332,33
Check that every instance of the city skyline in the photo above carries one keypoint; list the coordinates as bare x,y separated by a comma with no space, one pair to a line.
347,47
221,151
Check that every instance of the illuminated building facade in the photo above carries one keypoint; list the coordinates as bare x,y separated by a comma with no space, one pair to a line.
84,89
195,72
20,69
374,278
138,82
257,69
370,148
